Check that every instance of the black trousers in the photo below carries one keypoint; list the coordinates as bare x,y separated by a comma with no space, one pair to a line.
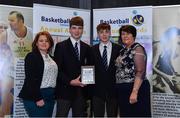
78,106
140,109
99,105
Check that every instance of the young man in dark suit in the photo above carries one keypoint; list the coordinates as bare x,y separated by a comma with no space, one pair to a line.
104,55
70,55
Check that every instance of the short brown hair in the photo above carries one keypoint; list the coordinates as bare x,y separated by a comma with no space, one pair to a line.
103,26
50,40
76,21
129,29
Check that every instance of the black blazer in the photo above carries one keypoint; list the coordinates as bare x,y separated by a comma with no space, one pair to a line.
70,67
34,67
105,79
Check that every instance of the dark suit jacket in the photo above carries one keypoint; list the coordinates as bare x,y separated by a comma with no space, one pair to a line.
34,67
105,79
70,67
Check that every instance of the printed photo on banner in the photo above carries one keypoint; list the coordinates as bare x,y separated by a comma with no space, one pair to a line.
166,45
166,56
15,42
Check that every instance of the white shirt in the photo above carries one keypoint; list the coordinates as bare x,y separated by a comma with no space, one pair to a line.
50,72
20,46
109,50
73,41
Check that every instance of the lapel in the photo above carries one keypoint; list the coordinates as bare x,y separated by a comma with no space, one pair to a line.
99,57
113,54
40,61
40,58
82,50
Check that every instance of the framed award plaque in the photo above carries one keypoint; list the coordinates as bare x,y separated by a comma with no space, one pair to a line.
88,74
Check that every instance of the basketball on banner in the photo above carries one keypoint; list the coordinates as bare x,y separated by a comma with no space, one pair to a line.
138,20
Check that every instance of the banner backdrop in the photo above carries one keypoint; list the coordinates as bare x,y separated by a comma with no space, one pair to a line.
15,42
56,21
166,56
140,17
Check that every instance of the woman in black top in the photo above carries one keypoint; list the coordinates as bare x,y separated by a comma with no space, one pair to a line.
40,78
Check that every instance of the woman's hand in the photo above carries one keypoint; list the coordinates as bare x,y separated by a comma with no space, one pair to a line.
133,97
40,103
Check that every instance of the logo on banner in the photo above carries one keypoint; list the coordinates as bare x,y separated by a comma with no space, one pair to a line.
115,21
75,13
138,19
62,21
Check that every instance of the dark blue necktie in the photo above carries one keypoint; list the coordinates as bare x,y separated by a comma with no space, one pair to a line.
76,50
104,56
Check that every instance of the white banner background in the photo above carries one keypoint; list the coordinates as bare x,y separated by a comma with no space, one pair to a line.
58,23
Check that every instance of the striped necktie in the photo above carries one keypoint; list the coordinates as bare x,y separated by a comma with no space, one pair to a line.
76,50
104,56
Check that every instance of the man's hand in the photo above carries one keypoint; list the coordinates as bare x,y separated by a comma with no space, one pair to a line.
76,82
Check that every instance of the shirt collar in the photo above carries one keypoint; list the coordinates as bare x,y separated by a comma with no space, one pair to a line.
107,44
74,41
44,55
